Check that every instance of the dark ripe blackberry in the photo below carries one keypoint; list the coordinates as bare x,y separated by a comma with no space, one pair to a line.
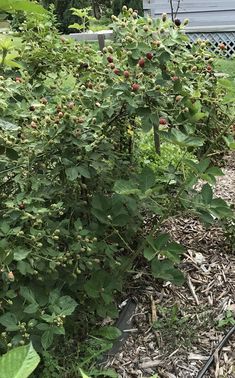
177,22
84,65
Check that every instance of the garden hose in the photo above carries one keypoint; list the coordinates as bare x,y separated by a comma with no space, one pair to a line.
217,350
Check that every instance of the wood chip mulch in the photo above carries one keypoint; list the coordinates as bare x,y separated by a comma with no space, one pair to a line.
175,329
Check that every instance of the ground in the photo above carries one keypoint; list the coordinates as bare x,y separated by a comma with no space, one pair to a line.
175,329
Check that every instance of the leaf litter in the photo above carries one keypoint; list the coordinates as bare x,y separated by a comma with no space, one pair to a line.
177,328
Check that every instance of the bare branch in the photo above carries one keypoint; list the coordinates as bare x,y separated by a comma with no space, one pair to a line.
172,10
177,8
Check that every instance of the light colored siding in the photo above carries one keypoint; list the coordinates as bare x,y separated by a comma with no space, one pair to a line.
199,12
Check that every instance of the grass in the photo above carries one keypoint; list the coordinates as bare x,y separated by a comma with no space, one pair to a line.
227,66
102,24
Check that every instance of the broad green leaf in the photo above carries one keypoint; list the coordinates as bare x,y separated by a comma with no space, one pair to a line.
173,251
76,26
203,165
72,173
164,269
12,154
109,332
47,338
178,137
8,126
21,5
215,171
125,187
67,305
207,194
146,179
206,217
84,171
230,141
149,253
19,362
155,246
20,254
26,293
31,309
9,321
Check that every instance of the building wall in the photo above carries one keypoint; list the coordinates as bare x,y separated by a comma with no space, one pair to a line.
200,12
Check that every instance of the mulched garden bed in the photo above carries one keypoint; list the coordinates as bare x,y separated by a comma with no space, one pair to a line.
186,318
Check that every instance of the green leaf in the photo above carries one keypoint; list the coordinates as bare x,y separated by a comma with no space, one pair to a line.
26,293
31,309
207,194
12,154
109,332
181,139
206,217
203,165
8,126
230,140
155,246
67,305
9,321
47,338
76,26
20,254
173,251
149,253
19,362
164,269
83,374
161,241
146,179
84,171
125,187
215,171
11,6
72,173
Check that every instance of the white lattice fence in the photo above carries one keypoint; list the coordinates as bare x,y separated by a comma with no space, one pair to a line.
228,38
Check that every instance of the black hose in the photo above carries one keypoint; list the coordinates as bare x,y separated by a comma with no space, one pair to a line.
217,350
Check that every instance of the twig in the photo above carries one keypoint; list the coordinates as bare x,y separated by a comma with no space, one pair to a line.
178,7
172,10
191,288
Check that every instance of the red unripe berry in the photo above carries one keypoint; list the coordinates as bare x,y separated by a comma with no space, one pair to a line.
110,59
209,68
33,125
18,79
89,85
135,87
222,46
149,56
71,105
43,101
22,206
162,121
175,78
126,74
116,71
10,276
141,62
